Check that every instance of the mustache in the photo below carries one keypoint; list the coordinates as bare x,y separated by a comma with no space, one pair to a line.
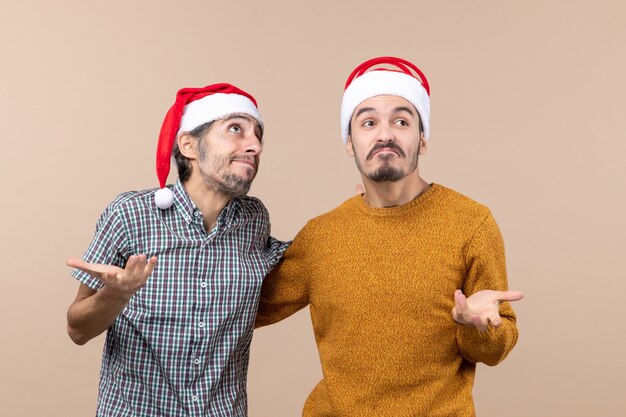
391,145
245,157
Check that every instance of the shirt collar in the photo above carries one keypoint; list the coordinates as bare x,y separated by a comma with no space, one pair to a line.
228,217
230,214
183,202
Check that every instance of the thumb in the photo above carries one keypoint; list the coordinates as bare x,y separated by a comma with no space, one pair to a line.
358,188
108,278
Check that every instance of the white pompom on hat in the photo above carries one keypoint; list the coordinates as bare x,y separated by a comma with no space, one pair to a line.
193,108
366,82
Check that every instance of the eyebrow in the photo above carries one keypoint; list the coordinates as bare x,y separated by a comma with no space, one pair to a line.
257,126
404,108
396,110
239,116
363,110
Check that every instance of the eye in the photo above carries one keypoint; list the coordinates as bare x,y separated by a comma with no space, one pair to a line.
401,122
234,128
368,123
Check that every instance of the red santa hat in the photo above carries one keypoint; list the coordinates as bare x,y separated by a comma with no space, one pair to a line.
404,80
193,108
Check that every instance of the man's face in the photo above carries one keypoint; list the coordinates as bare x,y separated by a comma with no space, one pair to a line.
385,140
228,154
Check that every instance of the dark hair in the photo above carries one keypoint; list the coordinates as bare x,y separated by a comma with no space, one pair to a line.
182,162
421,127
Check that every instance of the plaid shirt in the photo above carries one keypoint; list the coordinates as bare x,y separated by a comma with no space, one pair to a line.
181,345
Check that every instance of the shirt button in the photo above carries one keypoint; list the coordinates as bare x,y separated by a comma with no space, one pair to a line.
196,361
201,324
203,284
195,398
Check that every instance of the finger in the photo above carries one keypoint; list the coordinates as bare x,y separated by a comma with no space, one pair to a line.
475,320
73,262
482,325
457,315
358,188
467,314
150,266
494,319
461,308
510,295
126,274
79,264
130,264
139,265
480,321
456,310
460,301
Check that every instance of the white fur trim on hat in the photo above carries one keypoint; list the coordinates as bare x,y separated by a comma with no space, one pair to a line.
215,107
384,82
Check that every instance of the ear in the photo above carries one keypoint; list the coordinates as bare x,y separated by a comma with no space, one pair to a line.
187,145
349,146
423,144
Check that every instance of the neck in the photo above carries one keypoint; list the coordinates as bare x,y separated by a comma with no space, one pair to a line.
207,199
393,193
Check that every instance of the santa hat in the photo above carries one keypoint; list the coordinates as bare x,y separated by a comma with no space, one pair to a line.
193,108
366,82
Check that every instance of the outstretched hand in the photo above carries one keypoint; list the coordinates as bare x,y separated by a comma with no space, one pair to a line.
481,309
123,283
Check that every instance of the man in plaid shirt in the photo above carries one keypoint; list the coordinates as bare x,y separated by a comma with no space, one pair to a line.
174,275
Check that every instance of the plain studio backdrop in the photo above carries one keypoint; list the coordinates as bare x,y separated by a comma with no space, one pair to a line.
527,118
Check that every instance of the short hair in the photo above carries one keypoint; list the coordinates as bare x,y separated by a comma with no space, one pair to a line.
183,165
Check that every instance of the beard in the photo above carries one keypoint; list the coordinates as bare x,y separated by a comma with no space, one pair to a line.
215,173
232,185
386,172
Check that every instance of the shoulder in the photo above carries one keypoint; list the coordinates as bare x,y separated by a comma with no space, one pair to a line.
331,221
252,207
461,205
252,217
468,217
130,203
133,198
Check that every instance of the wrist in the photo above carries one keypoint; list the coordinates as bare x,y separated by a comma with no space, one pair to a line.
113,295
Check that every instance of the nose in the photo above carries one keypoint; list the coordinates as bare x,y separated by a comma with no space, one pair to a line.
253,145
385,134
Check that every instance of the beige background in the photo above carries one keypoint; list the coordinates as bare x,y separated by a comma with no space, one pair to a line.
527,117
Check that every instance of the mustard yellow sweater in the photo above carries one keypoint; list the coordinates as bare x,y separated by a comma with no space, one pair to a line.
380,283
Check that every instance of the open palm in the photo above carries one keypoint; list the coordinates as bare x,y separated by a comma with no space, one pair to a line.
123,282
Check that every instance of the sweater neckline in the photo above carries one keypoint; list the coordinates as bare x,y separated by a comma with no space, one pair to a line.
392,211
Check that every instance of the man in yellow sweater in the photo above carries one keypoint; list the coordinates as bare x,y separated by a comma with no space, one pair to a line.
386,273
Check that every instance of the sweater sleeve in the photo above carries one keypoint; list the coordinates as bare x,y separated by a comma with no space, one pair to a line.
486,270
285,290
